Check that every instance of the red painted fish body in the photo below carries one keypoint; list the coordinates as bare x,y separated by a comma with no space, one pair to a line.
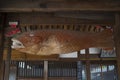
47,42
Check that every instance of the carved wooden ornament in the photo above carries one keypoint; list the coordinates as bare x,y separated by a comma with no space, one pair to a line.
48,42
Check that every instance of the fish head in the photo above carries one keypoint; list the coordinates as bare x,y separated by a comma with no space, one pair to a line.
17,44
37,44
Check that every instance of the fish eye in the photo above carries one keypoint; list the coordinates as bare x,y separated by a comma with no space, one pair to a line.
19,44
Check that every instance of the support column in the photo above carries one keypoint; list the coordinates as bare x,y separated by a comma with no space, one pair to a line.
87,64
45,70
79,70
8,60
13,72
2,24
117,40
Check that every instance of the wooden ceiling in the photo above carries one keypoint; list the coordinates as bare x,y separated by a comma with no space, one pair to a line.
59,5
61,11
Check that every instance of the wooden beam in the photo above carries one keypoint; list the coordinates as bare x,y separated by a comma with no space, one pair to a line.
60,5
55,18
16,55
91,15
117,41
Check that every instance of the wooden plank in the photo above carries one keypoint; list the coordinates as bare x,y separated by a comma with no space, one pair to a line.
92,15
50,78
87,64
2,24
45,70
60,5
117,41
102,78
16,55
44,18
74,40
62,78
30,79
7,62
79,54
13,73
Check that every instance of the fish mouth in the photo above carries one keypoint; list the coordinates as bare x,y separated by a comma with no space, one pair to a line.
16,44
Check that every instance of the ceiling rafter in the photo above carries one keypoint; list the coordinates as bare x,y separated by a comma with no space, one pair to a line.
58,5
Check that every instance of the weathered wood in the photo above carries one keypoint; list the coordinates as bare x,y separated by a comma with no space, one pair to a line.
48,42
101,70
87,64
117,41
79,54
2,24
62,78
13,72
45,70
91,15
23,78
54,18
60,5
7,62
50,78
16,55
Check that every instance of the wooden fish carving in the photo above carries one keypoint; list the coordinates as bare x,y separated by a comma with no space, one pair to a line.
47,42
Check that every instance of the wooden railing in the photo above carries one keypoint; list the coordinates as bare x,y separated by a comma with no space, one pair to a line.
62,69
30,69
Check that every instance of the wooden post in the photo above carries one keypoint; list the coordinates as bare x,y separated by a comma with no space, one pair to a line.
2,44
13,72
79,70
117,40
8,60
87,64
45,70
78,53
